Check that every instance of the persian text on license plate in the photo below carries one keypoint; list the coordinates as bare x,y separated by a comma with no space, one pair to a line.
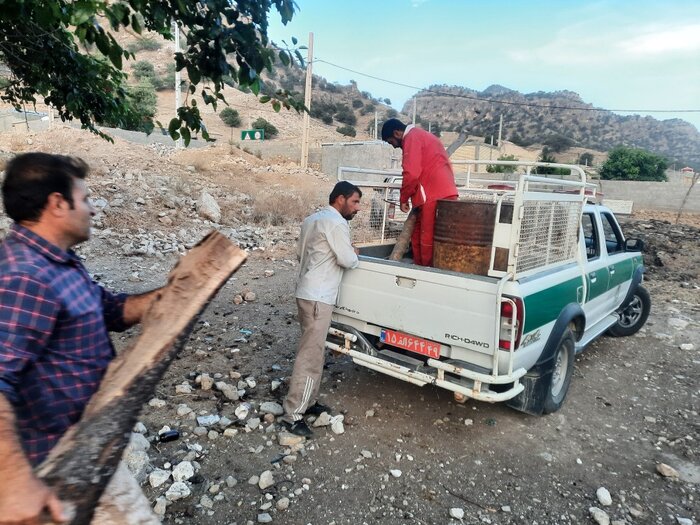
410,343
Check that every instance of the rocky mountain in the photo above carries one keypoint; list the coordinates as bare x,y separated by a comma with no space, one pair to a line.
538,117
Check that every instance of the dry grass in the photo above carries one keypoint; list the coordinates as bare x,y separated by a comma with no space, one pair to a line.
280,208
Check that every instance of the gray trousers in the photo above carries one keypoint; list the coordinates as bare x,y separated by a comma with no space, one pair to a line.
315,319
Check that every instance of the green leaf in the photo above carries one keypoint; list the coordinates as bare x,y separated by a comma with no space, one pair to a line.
294,40
264,99
276,105
174,135
284,57
194,74
186,135
255,86
174,125
115,56
135,24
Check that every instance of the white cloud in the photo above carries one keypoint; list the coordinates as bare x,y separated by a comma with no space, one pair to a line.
678,39
577,45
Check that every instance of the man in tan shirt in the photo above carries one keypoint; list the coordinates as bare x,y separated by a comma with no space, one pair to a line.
325,251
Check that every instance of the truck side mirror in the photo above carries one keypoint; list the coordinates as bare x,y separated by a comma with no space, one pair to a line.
634,245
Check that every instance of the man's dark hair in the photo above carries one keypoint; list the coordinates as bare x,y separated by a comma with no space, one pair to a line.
31,177
391,125
344,188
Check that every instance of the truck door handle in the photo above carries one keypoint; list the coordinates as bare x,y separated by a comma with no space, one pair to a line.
611,269
405,282
593,277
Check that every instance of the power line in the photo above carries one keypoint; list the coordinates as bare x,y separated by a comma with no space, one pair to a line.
510,103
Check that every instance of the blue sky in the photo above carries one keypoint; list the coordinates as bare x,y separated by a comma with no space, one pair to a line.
616,54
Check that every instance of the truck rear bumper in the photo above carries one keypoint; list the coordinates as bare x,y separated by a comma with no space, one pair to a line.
469,383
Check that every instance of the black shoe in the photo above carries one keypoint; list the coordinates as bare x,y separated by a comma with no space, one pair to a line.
299,428
317,409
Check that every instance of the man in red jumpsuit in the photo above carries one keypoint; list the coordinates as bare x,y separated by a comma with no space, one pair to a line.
427,177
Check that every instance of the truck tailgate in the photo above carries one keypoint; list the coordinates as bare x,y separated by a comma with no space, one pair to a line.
449,308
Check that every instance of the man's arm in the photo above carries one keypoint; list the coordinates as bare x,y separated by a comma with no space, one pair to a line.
412,166
136,305
122,311
339,240
23,497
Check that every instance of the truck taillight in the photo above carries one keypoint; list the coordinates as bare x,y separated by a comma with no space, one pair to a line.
507,331
392,211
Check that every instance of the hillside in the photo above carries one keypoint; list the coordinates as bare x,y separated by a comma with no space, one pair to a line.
601,130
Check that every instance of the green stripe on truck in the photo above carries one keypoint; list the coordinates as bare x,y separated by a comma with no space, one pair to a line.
545,306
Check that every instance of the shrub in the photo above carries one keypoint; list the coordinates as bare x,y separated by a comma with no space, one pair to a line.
345,115
391,113
230,117
348,131
327,119
369,108
144,44
270,130
357,103
502,169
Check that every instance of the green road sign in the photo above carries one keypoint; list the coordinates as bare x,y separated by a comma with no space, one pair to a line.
253,134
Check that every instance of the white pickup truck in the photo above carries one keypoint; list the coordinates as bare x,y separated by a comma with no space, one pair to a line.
510,334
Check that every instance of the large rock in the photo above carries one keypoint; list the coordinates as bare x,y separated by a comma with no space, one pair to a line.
208,208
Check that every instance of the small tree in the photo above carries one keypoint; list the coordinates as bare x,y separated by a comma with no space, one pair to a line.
494,168
586,159
348,131
547,156
142,101
270,130
231,119
633,164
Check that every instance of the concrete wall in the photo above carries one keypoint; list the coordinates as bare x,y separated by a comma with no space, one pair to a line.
664,196
372,155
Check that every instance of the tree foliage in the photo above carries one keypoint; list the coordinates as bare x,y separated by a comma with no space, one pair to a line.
61,50
547,156
558,143
495,168
230,117
142,100
270,130
348,131
586,158
633,164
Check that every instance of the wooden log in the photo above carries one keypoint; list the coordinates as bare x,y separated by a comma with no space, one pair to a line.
83,461
404,238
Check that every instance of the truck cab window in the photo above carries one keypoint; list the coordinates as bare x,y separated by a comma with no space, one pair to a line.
614,241
590,234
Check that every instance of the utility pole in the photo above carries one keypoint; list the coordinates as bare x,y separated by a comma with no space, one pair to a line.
500,131
307,103
414,110
176,30
376,123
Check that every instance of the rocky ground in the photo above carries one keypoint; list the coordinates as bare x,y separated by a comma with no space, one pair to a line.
623,449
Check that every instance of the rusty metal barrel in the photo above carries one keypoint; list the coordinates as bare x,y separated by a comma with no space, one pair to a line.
463,236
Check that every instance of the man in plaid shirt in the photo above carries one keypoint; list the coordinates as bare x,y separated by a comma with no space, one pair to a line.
54,319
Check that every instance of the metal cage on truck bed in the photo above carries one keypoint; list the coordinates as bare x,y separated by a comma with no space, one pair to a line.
539,231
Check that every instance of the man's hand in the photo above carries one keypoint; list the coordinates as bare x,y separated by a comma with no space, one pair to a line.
405,207
24,498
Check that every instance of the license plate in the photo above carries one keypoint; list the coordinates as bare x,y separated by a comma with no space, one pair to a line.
410,343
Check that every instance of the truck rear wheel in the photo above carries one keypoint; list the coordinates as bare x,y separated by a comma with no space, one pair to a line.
635,314
562,371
